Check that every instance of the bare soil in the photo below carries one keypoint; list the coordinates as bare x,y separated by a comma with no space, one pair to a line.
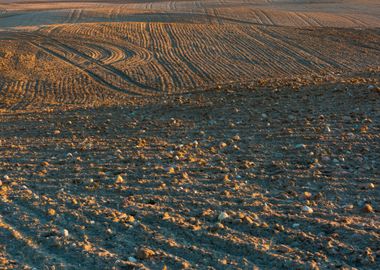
219,179
189,134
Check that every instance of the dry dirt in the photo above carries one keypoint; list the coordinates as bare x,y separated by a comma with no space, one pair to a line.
219,178
223,134
97,53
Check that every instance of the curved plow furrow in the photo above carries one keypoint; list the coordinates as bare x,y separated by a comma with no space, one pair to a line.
141,59
163,56
107,75
287,60
103,52
181,46
349,56
325,60
129,52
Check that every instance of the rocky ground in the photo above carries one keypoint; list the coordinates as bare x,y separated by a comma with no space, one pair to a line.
271,175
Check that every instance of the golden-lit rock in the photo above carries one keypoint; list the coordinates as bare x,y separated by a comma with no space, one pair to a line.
144,253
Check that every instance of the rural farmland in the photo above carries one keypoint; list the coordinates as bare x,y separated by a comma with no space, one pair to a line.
216,134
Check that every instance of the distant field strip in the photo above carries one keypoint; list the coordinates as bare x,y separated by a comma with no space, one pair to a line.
216,12
143,59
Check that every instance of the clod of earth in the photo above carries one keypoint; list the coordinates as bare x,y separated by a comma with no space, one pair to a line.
144,253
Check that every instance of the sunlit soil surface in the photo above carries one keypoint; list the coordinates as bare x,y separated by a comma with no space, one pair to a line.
282,175
101,63
189,134
94,53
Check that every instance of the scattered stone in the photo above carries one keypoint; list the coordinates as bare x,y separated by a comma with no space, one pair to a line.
349,207
248,220
222,145
185,176
284,249
223,262
307,209
307,195
87,247
166,216
65,233
144,253
218,226
119,180
279,227
367,208
51,212
185,265
222,216
266,208
371,186
44,164
300,146
132,259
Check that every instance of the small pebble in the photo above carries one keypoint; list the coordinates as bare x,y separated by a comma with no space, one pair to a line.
119,179
44,164
185,265
367,208
307,195
218,226
144,253
222,216
222,145
299,146
371,186
248,220
349,206
65,233
132,259
307,209
51,212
